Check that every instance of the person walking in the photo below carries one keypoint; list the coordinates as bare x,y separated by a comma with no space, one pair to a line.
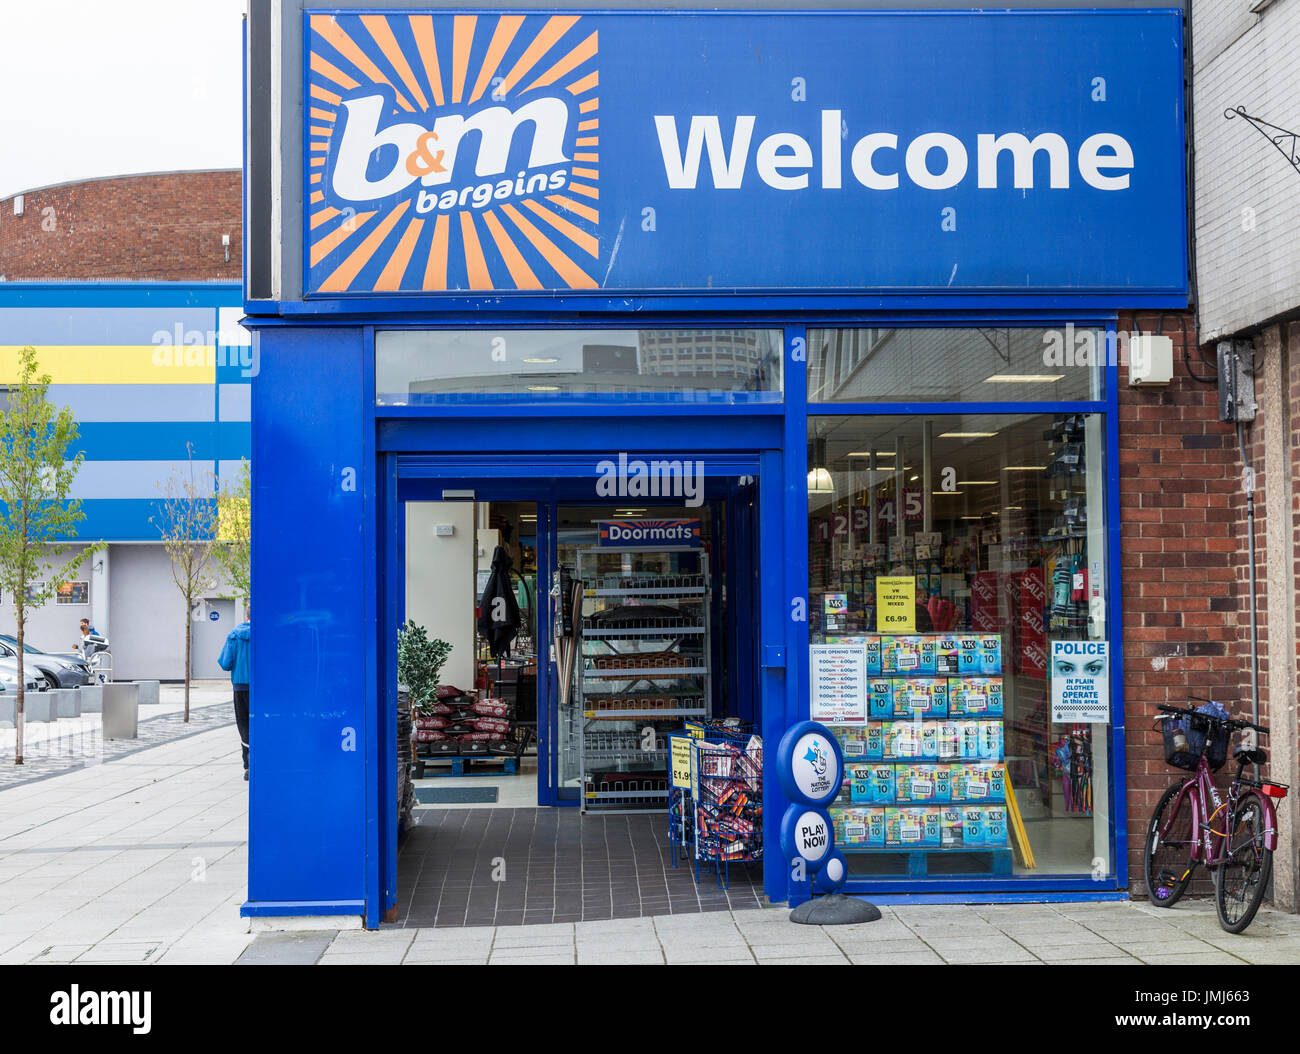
235,659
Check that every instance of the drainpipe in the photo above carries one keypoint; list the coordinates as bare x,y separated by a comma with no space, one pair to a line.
1248,482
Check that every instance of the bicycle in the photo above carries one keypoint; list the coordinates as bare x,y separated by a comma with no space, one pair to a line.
1186,829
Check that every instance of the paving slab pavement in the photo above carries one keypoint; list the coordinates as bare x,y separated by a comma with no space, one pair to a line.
143,859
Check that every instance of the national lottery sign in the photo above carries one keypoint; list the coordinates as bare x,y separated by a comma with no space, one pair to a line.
708,152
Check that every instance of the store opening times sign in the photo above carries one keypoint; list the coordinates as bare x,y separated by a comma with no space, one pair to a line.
710,152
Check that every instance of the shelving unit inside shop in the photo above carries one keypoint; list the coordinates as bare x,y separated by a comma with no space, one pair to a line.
644,649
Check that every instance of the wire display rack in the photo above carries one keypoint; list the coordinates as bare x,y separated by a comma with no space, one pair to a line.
719,818
639,672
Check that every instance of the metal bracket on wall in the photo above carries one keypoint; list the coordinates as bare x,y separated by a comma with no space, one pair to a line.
1286,142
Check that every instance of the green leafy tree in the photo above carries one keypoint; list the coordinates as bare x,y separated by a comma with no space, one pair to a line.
234,531
419,664
186,519
38,517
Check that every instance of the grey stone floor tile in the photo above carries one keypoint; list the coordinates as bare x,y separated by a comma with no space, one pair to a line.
804,960
1213,958
916,958
290,949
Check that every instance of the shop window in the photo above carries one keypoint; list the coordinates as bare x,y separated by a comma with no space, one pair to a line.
956,365
946,555
419,367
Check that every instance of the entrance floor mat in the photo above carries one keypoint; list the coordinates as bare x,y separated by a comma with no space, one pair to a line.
454,795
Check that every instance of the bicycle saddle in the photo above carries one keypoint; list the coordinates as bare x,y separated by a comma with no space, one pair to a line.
1247,756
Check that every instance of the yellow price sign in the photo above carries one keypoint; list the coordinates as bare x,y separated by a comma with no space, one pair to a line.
896,604
680,761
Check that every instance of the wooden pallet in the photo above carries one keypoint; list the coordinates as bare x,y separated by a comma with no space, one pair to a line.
460,765
917,861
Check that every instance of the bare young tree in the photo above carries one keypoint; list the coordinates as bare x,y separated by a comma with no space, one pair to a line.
36,515
186,520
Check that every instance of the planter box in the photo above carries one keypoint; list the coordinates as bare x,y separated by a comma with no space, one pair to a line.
38,706
66,702
92,698
121,710
148,692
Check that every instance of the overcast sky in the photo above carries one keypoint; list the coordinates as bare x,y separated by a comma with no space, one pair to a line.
92,88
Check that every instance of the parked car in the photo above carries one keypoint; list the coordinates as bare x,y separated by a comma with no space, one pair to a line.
61,671
35,680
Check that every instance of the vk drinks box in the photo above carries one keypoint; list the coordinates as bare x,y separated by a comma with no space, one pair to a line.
968,740
975,696
859,827
852,740
922,696
945,655
922,784
902,740
875,744
995,825
979,782
972,832
990,653
915,827
951,825
990,740
880,697
929,741
948,743
873,653
907,655
969,655
872,784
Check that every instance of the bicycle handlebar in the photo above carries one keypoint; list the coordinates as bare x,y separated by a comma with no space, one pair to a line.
1232,722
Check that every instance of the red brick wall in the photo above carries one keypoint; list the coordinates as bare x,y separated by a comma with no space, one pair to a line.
1183,565
165,227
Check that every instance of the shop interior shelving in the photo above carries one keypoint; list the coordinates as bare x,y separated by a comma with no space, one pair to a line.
644,647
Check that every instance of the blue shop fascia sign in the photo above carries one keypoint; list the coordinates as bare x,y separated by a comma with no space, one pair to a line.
1002,152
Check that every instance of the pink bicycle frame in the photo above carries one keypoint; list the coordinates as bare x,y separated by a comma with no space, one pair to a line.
1203,849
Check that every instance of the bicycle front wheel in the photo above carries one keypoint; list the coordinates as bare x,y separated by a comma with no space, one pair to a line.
1241,880
1168,852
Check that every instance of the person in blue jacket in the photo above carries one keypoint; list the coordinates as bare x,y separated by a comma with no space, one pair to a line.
235,658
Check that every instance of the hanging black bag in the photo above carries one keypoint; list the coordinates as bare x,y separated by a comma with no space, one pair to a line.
498,613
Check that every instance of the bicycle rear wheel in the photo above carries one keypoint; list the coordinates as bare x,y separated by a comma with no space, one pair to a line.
1168,853
1239,882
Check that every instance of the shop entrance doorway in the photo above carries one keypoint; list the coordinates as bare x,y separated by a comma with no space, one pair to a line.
539,784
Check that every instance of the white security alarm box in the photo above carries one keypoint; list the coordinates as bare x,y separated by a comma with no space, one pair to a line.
1150,359
444,530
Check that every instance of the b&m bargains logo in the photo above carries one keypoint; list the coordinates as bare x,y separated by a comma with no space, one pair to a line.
452,152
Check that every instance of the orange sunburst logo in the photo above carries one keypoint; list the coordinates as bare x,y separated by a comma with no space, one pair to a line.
452,152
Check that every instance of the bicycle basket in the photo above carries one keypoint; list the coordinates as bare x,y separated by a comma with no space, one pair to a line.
1186,739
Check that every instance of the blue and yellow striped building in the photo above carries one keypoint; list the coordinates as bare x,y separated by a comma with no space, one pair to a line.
151,371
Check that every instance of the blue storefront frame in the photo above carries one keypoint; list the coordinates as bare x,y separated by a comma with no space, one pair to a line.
777,435
335,333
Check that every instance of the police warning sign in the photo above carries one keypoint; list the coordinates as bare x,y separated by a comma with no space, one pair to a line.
1081,682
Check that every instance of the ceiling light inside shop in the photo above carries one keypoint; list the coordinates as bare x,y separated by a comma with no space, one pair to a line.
1014,508
543,387
967,435
972,517
820,482
912,479
868,453
975,482
1023,468
1024,378
538,360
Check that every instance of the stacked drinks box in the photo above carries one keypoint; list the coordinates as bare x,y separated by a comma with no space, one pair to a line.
925,770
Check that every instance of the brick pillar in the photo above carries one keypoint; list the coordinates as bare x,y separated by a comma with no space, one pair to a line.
1277,386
